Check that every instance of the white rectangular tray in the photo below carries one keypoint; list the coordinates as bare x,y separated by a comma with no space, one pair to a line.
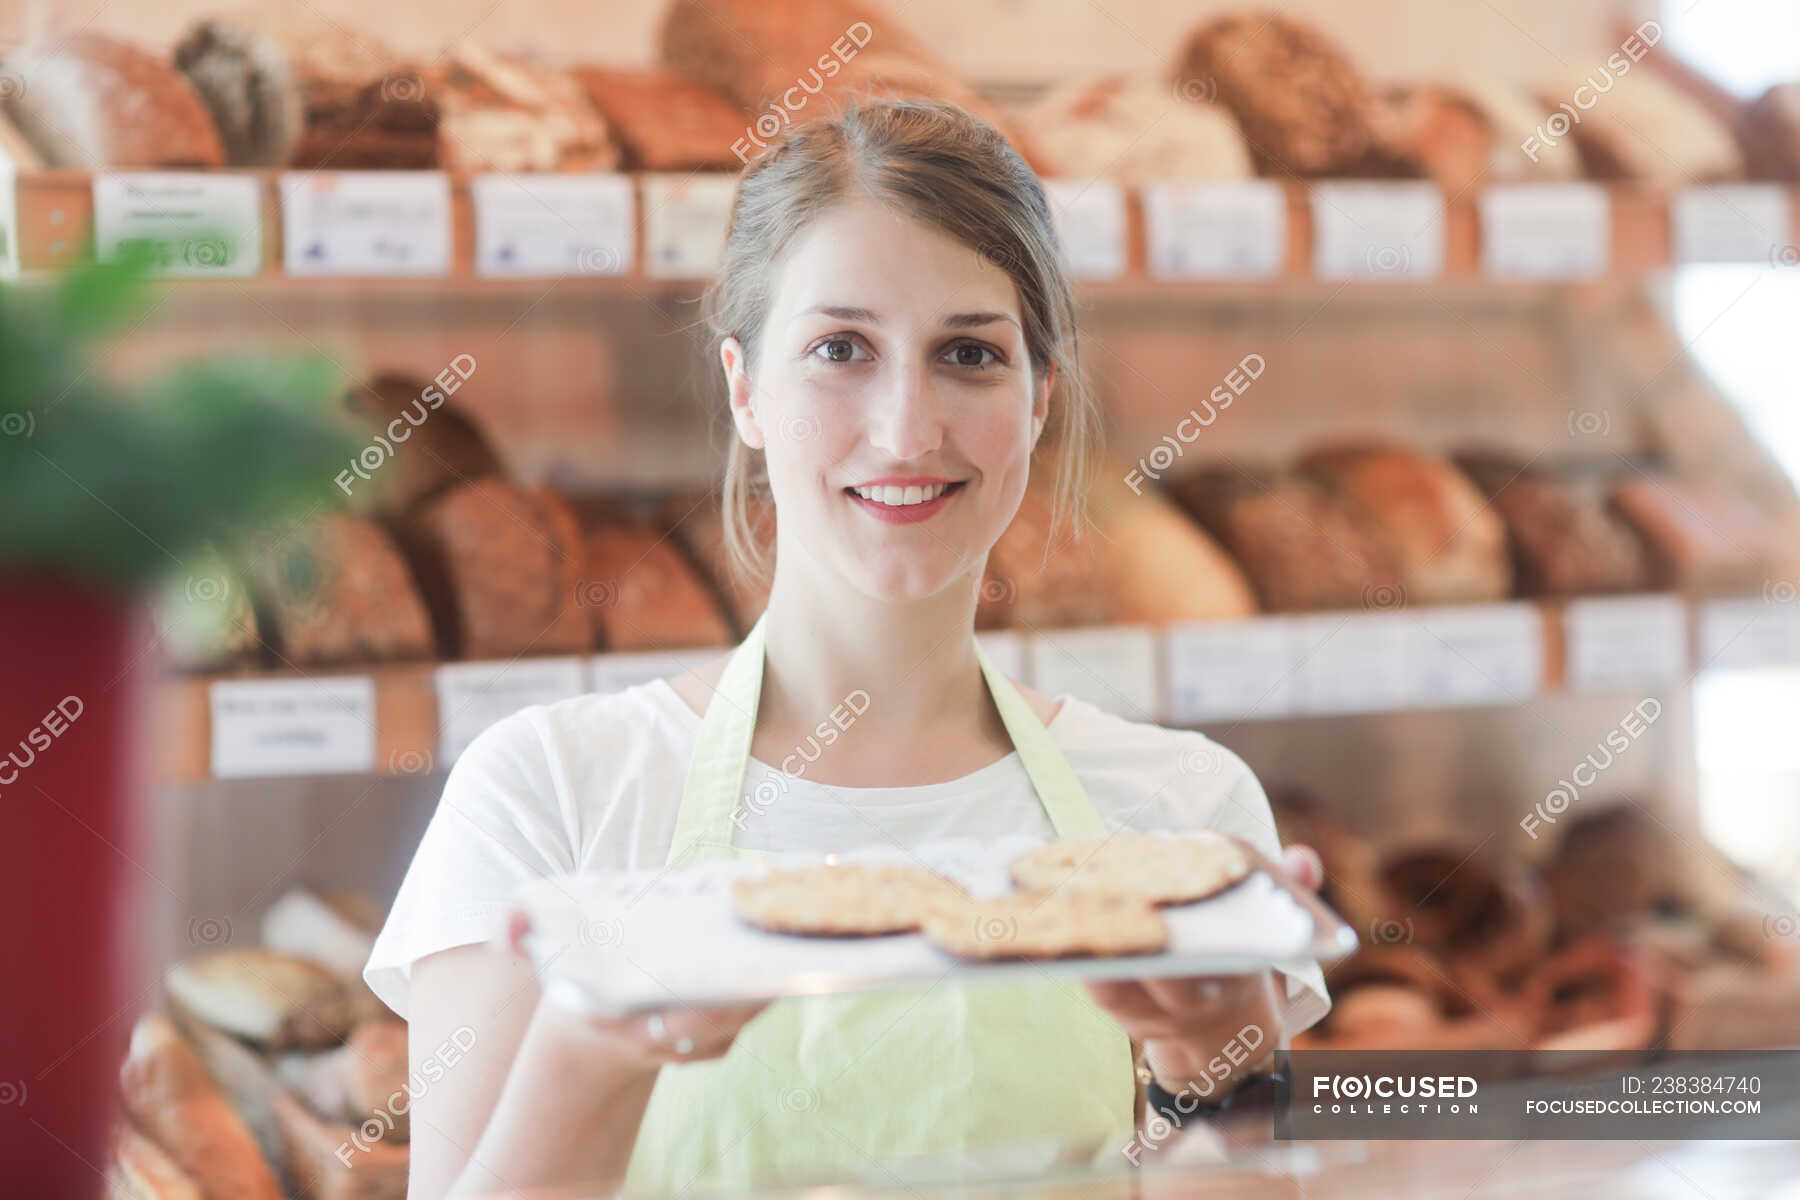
614,943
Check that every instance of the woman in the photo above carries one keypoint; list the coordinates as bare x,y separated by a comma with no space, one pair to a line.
893,323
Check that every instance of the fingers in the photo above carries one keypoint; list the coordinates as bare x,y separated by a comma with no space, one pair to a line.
1303,864
518,925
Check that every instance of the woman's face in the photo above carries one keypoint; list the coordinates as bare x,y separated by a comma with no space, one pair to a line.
894,401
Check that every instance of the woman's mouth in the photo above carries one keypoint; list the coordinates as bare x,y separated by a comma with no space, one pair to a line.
903,505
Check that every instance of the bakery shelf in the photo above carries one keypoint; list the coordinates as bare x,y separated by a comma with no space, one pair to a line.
672,217
413,718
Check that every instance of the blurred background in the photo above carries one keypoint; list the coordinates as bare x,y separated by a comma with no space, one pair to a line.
1445,354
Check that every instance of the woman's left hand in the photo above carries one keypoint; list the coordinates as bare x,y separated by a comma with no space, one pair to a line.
1189,1024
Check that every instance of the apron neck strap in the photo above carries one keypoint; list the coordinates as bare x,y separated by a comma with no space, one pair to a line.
713,791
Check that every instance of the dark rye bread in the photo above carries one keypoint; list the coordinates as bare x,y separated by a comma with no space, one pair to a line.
1566,540
91,102
336,591
500,568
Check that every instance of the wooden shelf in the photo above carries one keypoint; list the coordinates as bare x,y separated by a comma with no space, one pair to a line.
55,222
1197,675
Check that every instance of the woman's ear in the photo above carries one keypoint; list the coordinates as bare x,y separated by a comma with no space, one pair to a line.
1040,402
737,385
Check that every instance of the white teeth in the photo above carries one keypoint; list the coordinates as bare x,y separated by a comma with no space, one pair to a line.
900,497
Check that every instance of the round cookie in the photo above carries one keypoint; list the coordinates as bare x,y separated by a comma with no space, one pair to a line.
842,901
1039,925
1157,870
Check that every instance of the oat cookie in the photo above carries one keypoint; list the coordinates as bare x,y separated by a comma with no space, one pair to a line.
845,900
1038,925
1158,870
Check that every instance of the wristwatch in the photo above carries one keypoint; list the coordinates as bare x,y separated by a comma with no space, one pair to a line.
1185,1104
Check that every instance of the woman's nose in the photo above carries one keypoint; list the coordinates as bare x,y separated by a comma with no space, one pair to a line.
906,422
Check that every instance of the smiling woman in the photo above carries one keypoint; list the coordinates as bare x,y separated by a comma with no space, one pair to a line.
896,336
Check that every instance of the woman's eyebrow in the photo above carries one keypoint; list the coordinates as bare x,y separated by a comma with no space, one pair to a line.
971,320
839,312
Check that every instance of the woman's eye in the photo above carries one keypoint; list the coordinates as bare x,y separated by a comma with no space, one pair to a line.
970,354
839,350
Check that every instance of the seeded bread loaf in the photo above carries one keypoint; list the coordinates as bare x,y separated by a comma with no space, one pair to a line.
1565,539
335,591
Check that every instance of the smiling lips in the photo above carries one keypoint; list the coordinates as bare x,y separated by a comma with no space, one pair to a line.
903,501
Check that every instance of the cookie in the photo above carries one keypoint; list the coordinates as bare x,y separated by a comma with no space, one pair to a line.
842,901
1039,925
1157,870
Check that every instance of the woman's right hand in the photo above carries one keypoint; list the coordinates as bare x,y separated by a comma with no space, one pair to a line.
645,1042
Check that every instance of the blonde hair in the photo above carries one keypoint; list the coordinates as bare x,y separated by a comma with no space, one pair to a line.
940,165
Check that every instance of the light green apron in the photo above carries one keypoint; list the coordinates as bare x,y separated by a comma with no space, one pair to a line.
833,1087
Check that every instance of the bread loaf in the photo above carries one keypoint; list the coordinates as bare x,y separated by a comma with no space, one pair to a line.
1469,133
1451,546
328,1160
304,926
206,619
698,523
168,1094
139,1170
1134,130
1165,568
500,568
355,1082
1642,128
1617,864
641,594
16,148
1304,108
1565,539
1771,134
336,591
506,113
444,445
664,121
274,1000
1701,537
92,102
1037,578
1302,548
1482,913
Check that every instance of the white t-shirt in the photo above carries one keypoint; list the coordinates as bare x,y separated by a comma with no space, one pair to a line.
593,783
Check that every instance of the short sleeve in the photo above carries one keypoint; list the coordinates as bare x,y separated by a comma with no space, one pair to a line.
497,825
1243,811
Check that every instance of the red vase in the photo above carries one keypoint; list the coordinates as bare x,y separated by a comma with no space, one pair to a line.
74,664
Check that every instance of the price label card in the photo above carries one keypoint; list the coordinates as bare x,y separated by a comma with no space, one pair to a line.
1113,668
1748,223
292,726
616,672
473,695
1230,669
1618,642
9,219
199,224
1475,654
366,222
1006,649
1749,633
684,224
1215,230
550,225
1545,231
1365,230
1351,662
1090,223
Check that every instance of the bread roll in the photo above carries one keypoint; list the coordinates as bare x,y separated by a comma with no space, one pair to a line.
336,591
1701,537
1596,994
355,1082
1616,864
1565,538
444,445
91,102
641,594
168,1095
1451,545
1645,130
666,122
1482,913
1302,548
274,1000
500,568
1304,108
1134,130
506,113
139,1170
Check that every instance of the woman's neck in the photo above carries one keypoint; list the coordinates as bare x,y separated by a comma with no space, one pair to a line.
890,678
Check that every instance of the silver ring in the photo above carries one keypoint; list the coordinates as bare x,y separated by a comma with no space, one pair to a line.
659,1033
